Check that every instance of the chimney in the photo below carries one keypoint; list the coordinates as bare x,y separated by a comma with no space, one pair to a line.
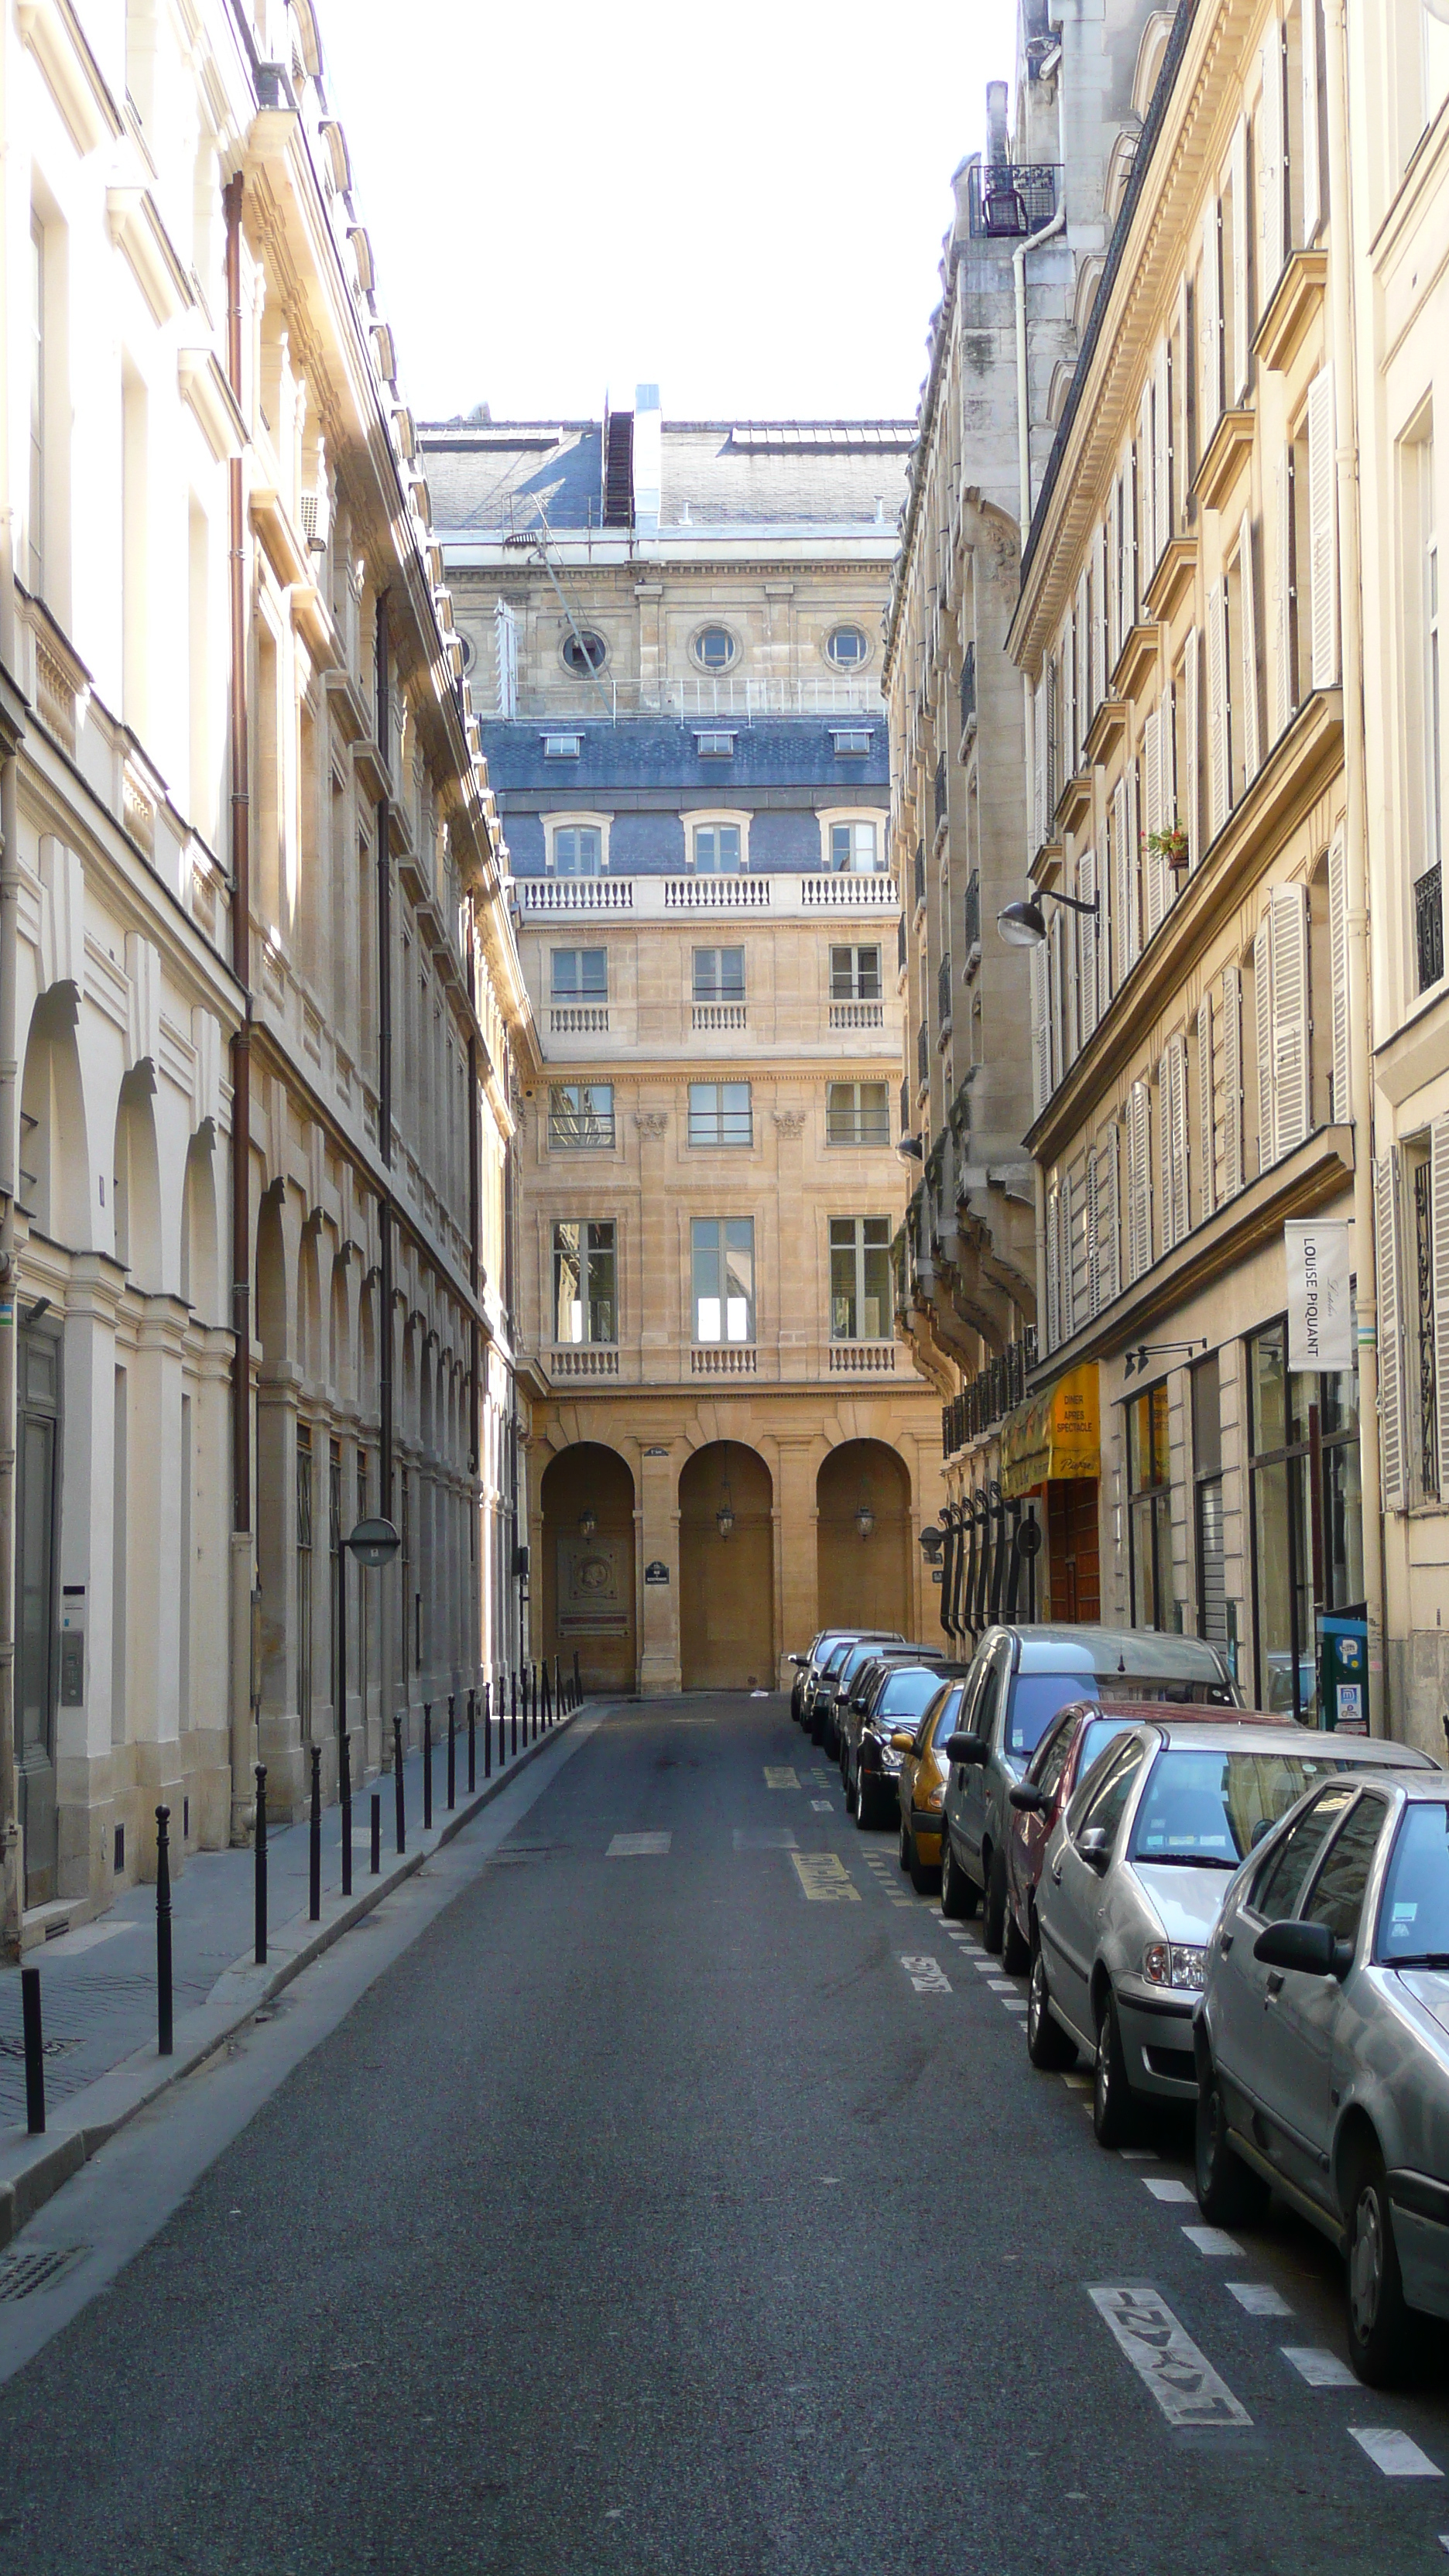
996,146
648,460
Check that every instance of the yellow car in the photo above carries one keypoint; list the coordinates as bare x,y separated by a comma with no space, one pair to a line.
923,1788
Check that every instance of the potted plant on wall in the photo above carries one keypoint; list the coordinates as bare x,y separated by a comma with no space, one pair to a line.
1169,844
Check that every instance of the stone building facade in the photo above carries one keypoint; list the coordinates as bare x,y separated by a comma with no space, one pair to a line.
261,1006
678,627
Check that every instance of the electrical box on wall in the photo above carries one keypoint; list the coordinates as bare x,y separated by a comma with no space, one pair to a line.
73,1646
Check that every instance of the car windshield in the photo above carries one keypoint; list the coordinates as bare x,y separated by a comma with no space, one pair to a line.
1414,1915
1096,1738
906,1694
1206,1810
949,1711
1035,1700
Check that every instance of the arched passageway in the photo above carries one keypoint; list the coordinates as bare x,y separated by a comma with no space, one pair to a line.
864,1571
726,1570
586,1580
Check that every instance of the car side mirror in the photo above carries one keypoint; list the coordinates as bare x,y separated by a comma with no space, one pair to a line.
966,1748
902,1742
1027,1798
1095,1846
1313,1949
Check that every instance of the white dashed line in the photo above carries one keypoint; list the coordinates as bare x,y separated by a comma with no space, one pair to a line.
1165,2358
1320,2369
638,1846
1163,2187
1212,2240
1393,2452
1258,2299
821,1806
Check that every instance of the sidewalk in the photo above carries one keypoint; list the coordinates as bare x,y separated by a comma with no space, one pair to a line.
98,1984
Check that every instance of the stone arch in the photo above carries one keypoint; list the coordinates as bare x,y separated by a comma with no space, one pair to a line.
273,1306
863,1582
136,1181
586,1581
312,1355
200,1265
340,1368
55,1157
368,1394
726,1575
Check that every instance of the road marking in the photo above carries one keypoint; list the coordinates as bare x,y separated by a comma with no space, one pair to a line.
1165,2358
637,1846
1258,2299
1077,2083
1163,2187
1393,2452
822,1806
1212,2240
823,1879
1001,1986
1320,2369
927,1976
1014,2004
1139,2155
781,1775
764,1838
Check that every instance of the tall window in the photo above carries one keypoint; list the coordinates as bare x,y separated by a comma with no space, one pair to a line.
1207,1490
304,1575
719,974
1423,729
579,975
584,1304
722,1257
854,849
578,850
1149,1477
720,1114
35,533
855,975
857,1113
717,849
580,1116
1307,1530
860,1278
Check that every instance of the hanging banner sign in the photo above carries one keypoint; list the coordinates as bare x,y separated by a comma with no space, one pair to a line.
1320,1314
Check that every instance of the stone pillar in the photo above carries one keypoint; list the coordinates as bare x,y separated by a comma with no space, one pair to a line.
797,1559
656,1540
90,1764
154,1591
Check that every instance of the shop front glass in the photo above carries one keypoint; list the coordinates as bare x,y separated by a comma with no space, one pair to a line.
1149,1481
1307,1517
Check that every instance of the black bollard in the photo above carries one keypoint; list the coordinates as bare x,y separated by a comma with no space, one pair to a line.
398,1791
472,1741
513,1714
547,1699
34,2051
427,1765
259,1855
314,1875
488,1730
163,1933
558,1690
375,1856
578,1682
452,1758
344,1798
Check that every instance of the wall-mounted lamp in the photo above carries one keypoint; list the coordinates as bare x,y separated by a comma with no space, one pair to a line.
932,1542
864,1517
587,1522
1023,925
725,1516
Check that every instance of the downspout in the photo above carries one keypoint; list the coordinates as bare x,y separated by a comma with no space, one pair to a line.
1350,555
1034,241
243,1679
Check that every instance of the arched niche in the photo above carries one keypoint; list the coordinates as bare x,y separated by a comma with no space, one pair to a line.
586,1581
136,1181
864,1581
726,1569
200,1264
55,1160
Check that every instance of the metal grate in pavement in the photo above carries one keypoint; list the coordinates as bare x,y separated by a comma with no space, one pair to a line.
21,2275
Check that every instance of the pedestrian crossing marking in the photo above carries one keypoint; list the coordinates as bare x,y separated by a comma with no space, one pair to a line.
823,1879
780,1775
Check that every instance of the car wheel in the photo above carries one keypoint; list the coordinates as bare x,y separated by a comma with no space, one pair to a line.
1112,2106
958,1896
1047,2044
993,1907
864,1803
1229,2193
1015,1948
1381,2336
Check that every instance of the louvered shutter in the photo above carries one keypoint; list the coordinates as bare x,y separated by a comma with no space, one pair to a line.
1087,943
1284,690
1053,1268
1391,1375
1217,689
1039,746
1271,142
1139,1177
1114,577
1232,1081
1125,888
1206,1106
1153,870
1069,699
1341,1108
1134,520
1212,322
1162,451
1291,1100
1263,1015
1242,316
1056,939
1109,1261
1313,208
1323,529
1040,1033
1053,749
1251,697
1084,666
1192,784
1099,623
1439,1256
1092,1255
1175,1173
1167,1120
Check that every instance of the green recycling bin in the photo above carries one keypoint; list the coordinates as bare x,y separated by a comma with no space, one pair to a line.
1343,1699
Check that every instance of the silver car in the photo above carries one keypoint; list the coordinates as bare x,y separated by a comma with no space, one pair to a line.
1322,2046
1132,1882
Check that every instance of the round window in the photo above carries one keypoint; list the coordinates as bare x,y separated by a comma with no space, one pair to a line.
847,647
715,648
584,651
470,651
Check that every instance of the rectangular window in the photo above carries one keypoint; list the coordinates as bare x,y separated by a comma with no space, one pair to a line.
584,1266
720,1114
717,849
860,1279
579,975
304,1576
1149,1480
854,849
1207,1476
855,975
719,974
857,1113
1307,1524
578,850
722,1258
580,1115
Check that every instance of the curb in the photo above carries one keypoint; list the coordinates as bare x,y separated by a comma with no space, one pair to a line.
35,2169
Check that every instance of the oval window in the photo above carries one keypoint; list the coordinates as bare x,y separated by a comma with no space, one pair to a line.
847,647
715,648
585,651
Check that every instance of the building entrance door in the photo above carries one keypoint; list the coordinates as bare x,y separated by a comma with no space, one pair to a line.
726,1570
37,1501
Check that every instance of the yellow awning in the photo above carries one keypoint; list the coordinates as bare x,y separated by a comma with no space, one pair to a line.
1057,1434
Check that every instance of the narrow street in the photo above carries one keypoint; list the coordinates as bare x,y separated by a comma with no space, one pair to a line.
676,2196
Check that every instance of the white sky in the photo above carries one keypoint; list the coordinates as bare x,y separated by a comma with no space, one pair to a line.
745,204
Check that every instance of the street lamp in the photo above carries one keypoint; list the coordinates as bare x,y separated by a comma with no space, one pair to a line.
864,1516
725,1516
932,1542
587,1522
375,1543
1023,925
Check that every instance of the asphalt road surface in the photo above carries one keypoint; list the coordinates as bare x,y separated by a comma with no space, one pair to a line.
667,2190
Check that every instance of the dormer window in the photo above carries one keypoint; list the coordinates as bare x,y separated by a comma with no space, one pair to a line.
562,746
852,742
715,746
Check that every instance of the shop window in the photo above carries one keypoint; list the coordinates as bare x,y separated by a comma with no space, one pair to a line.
1149,1478
1307,1517
1207,1504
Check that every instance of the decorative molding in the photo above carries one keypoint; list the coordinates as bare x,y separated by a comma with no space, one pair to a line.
788,1121
651,1122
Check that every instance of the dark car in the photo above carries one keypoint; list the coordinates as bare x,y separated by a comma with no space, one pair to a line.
822,1645
852,1704
830,1703
882,1735
819,1688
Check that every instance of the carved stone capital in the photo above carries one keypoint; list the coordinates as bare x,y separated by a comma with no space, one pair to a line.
651,1122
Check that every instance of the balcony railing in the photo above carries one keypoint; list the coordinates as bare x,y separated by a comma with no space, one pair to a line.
1429,926
714,1016
968,686
923,1056
577,894
1009,200
973,912
863,1359
650,897
943,994
857,1015
940,791
723,1359
994,1391
920,872
579,1020
583,1359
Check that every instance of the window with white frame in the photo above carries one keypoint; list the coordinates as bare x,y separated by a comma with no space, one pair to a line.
579,975
722,1267
847,647
578,850
716,849
580,1116
719,974
860,1279
857,1113
720,1114
855,974
584,1287
855,849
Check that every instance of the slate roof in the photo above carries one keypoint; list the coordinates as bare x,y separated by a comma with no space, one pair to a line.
659,752
490,478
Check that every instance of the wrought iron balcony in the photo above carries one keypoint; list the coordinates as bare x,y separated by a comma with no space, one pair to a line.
968,686
1010,200
1429,926
973,912
940,791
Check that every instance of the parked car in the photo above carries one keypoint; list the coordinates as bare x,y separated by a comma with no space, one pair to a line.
830,1710
1020,1679
880,1735
1322,2046
1064,1756
1131,1885
921,1788
820,1687
821,1645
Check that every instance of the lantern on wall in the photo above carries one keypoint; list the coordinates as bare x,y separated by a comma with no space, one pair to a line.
725,1516
587,1522
864,1516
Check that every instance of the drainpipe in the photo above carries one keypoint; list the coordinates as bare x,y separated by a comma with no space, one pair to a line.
1350,557
243,1679
1057,225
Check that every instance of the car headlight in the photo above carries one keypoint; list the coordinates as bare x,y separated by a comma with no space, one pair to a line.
935,1796
1173,1963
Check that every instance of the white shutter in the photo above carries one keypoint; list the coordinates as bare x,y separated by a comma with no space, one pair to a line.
1166,1077
1069,699
1179,1150
1212,323
1206,1105
1323,524
1391,1376
1114,573
1100,655
1084,666
1039,747
1232,1081
1124,899
1284,693
1056,938
1313,208
1263,1014
1271,145
1079,1256
1053,1269
1092,1254
1053,748
1161,451
1154,872
1087,943
1139,1177
1439,1256
1242,335
1138,517
1217,690
1247,579
1292,1108
1041,1054
1342,1102
1109,1263
1192,784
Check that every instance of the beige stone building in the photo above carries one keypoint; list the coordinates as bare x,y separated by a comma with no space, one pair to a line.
678,626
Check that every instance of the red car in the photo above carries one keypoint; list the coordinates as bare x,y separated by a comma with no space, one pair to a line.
1066,1753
